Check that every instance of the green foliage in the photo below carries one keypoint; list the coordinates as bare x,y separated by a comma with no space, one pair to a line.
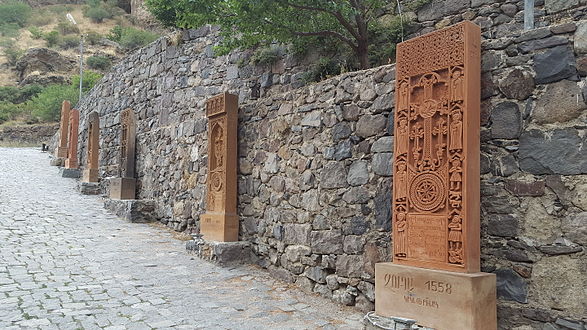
93,38
13,54
14,12
98,14
66,28
69,42
47,105
41,17
324,68
99,62
52,38
18,95
60,10
91,78
93,3
36,33
10,30
9,111
131,38
266,56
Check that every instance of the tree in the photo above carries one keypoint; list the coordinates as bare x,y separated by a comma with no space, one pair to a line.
245,23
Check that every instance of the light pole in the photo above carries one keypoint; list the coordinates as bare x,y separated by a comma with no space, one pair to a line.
81,57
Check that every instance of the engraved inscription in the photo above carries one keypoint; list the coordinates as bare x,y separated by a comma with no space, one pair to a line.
427,237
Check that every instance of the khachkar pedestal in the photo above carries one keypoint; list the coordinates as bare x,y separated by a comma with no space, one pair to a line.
91,170
124,187
220,222
71,169
434,278
61,151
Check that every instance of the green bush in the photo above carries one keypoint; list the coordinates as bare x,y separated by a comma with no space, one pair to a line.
93,3
69,42
10,30
60,10
9,111
13,54
99,63
36,33
52,38
98,14
41,17
93,38
91,78
47,105
18,95
66,28
133,38
266,56
15,12
115,33
324,68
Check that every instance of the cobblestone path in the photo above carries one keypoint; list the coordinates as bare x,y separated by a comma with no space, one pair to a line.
65,263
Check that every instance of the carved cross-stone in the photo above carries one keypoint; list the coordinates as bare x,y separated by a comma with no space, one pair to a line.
71,161
124,187
434,277
93,155
61,151
220,222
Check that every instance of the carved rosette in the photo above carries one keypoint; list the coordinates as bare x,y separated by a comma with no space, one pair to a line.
429,149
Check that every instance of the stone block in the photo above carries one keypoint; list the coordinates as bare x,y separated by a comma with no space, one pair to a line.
561,101
71,173
555,64
223,253
554,6
57,161
435,298
123,188
89,188
221,227
90,175
135,211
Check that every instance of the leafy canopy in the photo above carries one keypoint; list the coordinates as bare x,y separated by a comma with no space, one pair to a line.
246,23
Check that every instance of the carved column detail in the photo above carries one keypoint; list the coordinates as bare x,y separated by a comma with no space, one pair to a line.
220,222
91,170
72,137
124,187
61,151
436,159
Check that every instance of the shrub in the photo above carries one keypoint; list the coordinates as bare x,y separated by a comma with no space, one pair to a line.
17,95
41,18
69,42
93,38
266,56
98,14
9,111
115,33
91,78
133,38
324,68
99,62
13,54
66,28
93,3
47,105
60,9
11,30
36,33
52,38
16,12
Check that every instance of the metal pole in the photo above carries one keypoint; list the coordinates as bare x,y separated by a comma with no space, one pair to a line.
81,67
528,15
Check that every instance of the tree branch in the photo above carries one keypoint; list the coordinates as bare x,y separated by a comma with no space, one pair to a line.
324,33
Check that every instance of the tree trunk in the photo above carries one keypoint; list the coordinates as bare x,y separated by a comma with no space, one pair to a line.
363,54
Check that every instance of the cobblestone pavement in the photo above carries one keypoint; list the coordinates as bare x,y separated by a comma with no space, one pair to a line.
65,263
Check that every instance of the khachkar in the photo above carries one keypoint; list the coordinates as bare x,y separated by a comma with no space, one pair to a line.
220,222
92,158
71,161
124,186
434,278
61,151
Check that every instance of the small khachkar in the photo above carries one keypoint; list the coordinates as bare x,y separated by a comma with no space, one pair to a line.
71,161
220,222
436,165
124,187
61,151
93,156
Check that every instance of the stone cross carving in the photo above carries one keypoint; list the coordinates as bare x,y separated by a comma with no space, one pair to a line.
220,222
92,159
124,187
71,161
61,151
436,168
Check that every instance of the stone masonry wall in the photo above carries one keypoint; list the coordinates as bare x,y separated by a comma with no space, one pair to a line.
315,161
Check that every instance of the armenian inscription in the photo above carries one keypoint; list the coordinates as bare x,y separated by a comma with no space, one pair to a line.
220,222
436,159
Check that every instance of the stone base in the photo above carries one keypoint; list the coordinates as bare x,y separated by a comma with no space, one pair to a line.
223,253
136,211
71,164
61,152
57,161
373,321
89,188
90,175
434,298
220,227
72,173
123,188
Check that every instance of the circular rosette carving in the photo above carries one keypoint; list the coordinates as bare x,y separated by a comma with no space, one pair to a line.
427,192
216,181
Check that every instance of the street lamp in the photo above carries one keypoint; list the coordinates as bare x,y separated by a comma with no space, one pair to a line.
81,56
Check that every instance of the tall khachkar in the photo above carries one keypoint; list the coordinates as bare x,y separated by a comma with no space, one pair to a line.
124,187
434,277
71,161
93,156
61,151
220,222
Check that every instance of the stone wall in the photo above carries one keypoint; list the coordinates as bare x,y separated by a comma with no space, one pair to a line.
315,161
